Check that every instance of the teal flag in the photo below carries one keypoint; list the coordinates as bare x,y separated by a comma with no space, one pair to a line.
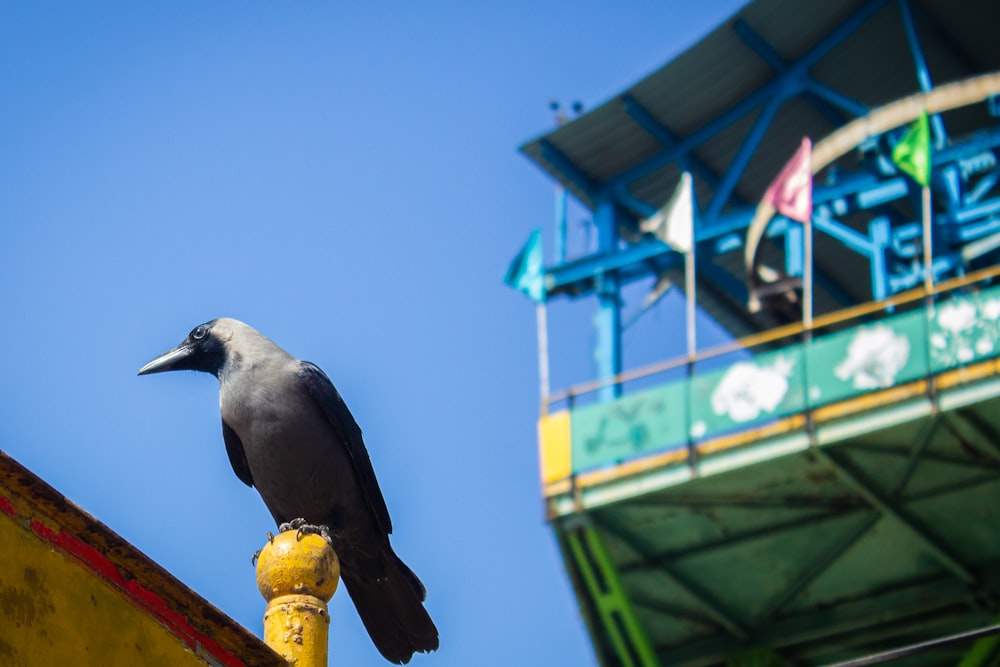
527,271
913,152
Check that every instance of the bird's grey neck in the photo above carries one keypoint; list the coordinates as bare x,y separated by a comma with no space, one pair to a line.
247,360
233,365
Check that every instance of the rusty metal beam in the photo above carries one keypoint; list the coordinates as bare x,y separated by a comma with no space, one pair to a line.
937,457
744,501
966,425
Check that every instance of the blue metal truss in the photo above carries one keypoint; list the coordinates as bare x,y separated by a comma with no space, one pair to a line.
976,216
792,80
965,181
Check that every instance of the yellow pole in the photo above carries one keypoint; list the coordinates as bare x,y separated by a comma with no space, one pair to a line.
298,577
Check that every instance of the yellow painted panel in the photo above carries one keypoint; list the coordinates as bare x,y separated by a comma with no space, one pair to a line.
554,446
55,611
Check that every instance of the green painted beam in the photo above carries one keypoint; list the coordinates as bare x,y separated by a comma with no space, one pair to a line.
984,653
706,600
598,572
588,612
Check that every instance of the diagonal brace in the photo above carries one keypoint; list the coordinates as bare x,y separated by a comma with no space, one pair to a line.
968,427
823,98
705,599
874,498
923,439
818,566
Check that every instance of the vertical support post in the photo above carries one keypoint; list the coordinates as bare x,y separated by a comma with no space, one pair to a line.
608,350
691,290
794,249
807,277
807,322
879,233
541,318
928,249
560,224
541,314
690,287
923,74
298,577
560,198
928,240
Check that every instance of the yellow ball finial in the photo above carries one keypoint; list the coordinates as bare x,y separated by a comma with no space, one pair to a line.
298,576
289,565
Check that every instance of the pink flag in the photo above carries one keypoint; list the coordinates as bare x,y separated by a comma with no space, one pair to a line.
791,192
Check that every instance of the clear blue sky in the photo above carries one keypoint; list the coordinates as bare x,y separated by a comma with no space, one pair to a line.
343,177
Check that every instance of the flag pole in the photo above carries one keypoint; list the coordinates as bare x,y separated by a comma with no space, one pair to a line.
690,288
541,317
807,277
928,250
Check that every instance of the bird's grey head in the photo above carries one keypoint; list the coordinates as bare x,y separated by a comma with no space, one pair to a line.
207,348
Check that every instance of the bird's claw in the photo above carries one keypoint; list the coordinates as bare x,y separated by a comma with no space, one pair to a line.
294,524
307,529
302,528
256,554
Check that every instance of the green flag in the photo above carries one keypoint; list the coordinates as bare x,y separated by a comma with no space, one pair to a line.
527,272
913,152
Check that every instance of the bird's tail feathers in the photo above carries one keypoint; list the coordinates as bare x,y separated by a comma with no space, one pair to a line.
389,598
418,586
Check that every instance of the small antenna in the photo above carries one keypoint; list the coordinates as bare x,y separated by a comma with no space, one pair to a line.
560,115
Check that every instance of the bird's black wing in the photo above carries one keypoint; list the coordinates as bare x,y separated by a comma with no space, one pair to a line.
237,457
333,406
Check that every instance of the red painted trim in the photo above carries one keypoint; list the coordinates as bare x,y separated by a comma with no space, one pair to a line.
7,507
139,595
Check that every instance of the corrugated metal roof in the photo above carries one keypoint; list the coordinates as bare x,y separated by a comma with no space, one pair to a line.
874,66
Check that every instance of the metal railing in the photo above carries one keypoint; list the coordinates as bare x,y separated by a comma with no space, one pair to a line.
921,647
771,336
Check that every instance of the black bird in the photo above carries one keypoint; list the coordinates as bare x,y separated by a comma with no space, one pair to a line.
289,434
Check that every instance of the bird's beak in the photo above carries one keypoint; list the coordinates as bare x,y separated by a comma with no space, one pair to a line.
167,361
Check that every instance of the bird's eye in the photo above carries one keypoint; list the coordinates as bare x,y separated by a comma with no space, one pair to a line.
199,333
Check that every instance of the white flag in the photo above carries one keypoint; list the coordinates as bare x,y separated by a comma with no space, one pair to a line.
674,223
